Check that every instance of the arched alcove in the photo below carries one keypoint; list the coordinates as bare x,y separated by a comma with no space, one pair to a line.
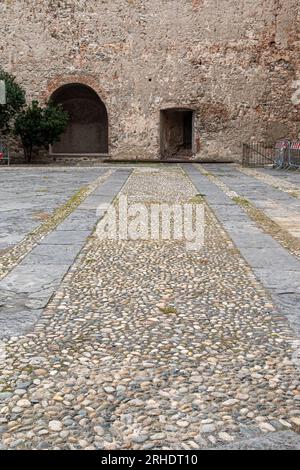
87,131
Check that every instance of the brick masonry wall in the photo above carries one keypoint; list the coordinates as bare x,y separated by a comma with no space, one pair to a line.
233,61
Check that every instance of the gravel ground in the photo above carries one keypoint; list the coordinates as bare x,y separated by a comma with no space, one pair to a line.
148,345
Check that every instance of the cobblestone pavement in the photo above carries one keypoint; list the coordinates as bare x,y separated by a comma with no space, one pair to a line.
148,345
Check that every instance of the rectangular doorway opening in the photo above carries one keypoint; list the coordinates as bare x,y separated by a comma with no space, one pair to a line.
176,133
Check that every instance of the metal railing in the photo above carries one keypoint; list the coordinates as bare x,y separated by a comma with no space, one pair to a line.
294,157
284,154
258,154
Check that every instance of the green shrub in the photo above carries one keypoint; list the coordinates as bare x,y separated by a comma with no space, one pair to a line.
39,126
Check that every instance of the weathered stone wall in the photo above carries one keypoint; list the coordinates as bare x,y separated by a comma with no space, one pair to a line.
232,61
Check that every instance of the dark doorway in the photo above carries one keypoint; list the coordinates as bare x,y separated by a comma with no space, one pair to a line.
176,131
87,131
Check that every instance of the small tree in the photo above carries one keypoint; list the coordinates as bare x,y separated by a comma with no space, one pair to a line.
15,101
40,127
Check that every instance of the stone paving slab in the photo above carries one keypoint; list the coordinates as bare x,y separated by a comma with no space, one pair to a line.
280,184
293,177
109,191
78,222
93,203
285,440
71,237
105,194
263,257
283,275
31,279
12,224
287,283
18,321
52,254
248,236
238,215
